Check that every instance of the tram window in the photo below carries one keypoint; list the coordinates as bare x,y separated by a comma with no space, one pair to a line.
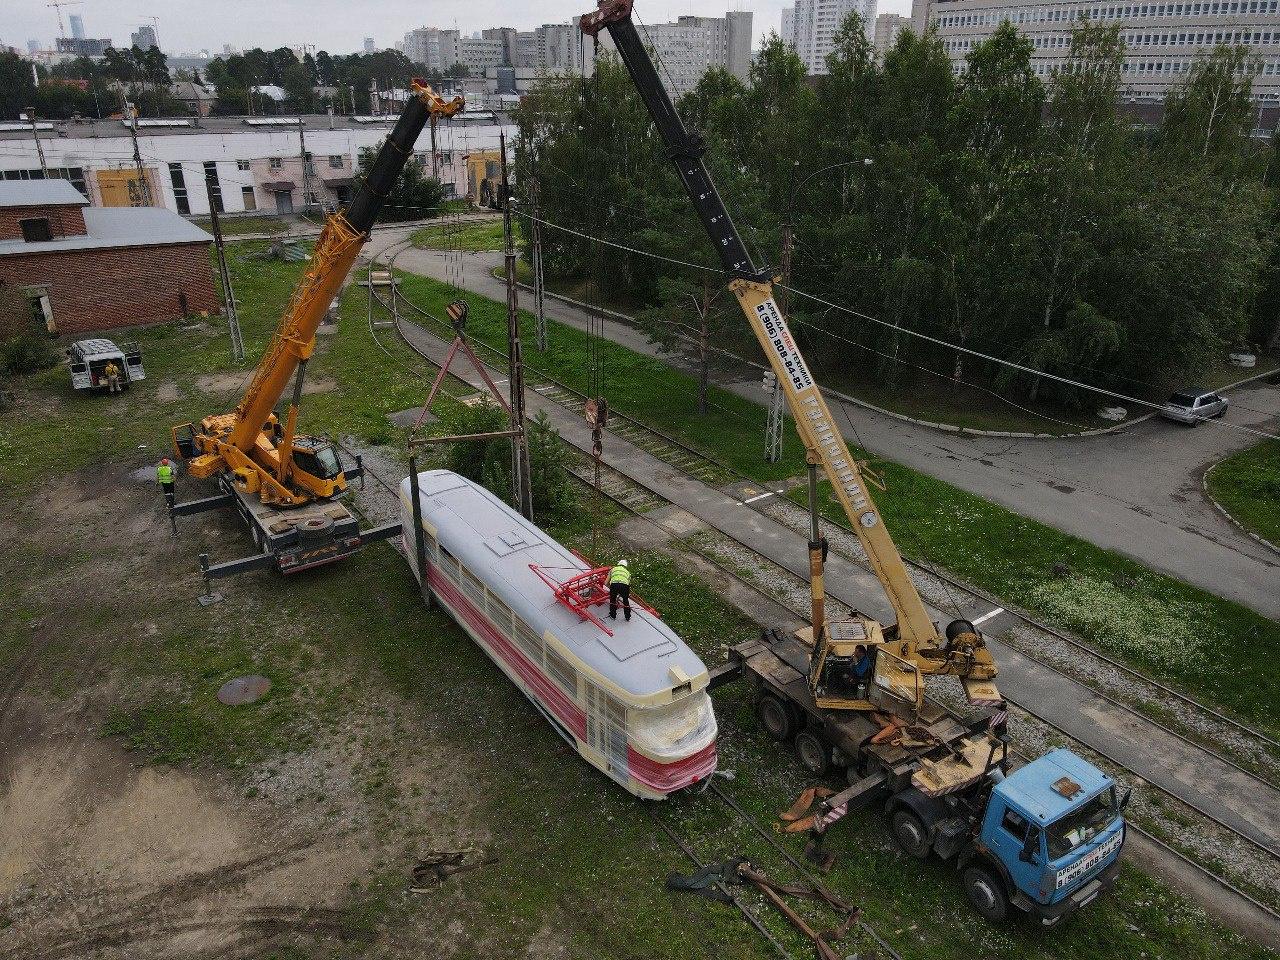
528,640
562,673
499,612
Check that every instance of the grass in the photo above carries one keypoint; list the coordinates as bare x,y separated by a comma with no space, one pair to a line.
465,235
239,226
1247,484
360,670
1155,622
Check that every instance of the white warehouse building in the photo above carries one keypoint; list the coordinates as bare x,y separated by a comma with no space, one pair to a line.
255,163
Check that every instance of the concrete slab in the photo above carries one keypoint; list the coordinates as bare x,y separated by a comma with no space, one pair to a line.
404,419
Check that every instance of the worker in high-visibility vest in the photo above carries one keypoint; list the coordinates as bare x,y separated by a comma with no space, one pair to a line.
164,475
620,589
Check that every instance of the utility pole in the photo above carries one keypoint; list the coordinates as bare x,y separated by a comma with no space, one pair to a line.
228,295
539,311
435,157
306,169
144,187
521,481
31,115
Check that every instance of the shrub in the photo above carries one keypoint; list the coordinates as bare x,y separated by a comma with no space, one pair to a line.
28,353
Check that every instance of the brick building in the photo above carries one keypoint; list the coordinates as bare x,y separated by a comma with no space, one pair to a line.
88,268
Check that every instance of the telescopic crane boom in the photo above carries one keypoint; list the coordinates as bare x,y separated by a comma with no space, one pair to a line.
249,442
917,647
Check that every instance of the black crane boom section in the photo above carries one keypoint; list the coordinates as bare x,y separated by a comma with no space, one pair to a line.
684,149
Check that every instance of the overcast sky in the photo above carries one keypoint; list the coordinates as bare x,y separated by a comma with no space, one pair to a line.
336,25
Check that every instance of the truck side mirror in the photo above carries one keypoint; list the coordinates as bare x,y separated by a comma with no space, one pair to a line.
1124,798
1030,848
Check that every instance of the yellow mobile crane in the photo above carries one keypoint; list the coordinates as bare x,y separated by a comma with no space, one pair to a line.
283,483
903,652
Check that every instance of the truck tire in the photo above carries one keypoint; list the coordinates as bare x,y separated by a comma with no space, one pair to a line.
986,893
813,752
777,718
314,528
911,834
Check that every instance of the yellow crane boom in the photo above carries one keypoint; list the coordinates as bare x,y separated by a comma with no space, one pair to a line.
918,645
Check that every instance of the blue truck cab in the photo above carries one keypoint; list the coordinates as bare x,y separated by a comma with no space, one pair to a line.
1049,842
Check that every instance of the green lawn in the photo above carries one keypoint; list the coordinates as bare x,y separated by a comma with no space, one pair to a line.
359,668
1156,623
464,235
1247,485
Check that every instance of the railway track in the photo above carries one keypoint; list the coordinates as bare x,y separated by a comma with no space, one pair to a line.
622,491
707,469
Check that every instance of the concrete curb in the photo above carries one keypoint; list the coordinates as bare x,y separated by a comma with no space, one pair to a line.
944,427
1204,484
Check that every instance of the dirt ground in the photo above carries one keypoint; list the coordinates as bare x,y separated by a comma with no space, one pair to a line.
105,855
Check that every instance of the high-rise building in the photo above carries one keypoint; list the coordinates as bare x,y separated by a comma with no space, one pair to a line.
1161,40
369,46
437,49
888,26
144,38
691,46
478,54
77,26
815,23
33,46
509,39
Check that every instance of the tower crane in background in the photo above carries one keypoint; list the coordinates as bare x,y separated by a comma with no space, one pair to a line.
58,5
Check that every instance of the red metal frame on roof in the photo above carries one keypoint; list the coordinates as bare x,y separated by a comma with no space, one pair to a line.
584,590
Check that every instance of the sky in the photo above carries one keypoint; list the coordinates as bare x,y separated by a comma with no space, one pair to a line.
336,25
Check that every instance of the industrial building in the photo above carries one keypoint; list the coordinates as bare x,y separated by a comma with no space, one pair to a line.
254,163
88,268
1161,40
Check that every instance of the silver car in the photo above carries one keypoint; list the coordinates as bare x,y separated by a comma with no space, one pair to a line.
1191,405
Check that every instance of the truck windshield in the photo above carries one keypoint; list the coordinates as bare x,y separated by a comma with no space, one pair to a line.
1081,825
328,460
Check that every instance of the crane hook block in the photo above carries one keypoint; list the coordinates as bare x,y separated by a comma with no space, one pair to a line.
609,11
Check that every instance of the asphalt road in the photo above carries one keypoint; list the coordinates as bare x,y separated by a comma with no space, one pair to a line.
1136,492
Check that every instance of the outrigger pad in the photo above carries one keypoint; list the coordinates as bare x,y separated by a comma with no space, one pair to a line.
818,855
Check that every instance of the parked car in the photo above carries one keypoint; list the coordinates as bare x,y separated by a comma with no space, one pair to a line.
1191,405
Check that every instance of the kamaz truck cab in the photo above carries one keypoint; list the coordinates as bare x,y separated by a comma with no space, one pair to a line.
1050,840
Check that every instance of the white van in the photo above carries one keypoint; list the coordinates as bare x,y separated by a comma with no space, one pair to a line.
89,358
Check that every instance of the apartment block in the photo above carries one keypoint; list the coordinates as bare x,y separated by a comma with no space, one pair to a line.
811,26
691,46
888,26
1162,40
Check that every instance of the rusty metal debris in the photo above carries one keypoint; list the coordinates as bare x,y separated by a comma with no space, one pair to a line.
437,866
739,871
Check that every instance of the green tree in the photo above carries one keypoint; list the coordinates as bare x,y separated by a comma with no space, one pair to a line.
1208,113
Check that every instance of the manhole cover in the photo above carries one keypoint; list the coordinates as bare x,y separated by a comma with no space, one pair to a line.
243,690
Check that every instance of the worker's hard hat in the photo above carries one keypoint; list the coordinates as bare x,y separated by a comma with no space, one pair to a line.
622,563
164,462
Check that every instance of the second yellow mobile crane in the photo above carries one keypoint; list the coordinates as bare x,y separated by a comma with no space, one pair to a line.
912,648
284,484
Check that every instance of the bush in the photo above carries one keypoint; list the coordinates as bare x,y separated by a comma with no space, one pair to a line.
28,353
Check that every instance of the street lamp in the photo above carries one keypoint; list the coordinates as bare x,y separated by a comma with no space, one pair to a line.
788,228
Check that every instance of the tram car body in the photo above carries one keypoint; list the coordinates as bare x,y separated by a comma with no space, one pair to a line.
634,704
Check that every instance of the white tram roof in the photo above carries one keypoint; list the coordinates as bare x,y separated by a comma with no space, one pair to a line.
497,544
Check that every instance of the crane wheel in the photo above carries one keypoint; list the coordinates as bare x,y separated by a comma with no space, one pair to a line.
986,893
911,834
813,752
777,718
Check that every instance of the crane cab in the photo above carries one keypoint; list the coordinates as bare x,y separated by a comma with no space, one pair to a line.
838,679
